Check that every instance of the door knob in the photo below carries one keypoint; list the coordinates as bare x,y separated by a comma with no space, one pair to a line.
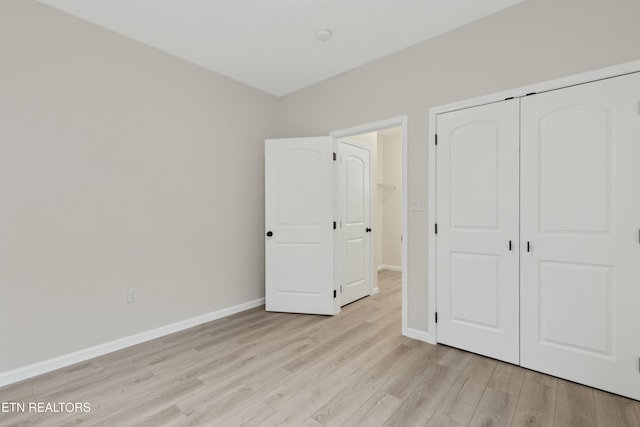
269,233
368,230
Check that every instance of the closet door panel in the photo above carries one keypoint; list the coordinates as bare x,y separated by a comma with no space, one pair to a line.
580,274
477,216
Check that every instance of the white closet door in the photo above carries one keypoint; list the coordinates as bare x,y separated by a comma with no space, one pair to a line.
477,217
580,277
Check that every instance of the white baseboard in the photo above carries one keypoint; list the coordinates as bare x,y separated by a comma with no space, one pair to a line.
45,366
389,267
419,335
375,291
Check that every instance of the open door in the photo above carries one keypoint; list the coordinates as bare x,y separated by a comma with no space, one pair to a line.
355,220
299,221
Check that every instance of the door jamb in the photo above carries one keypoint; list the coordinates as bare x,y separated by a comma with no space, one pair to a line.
402,123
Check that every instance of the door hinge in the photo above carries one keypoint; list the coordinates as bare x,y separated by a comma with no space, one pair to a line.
436,228
509,98
334,225
335,157
335,293
531,93
436,139
436,317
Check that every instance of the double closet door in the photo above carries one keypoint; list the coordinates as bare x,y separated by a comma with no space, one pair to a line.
538,242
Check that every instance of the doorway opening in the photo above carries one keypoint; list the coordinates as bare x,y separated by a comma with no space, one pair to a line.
388,190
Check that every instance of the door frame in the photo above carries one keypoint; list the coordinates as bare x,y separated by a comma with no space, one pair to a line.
402,123
571,80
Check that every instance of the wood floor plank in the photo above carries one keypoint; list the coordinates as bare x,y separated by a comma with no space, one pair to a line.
248,390
414,372
461,401
419,405
297,400
168,415
375,411
235,403
574,405
612,410
294,408
310,422
536,404
495,409
507,378
265,369
347,400
455,358
20,392
251,415
144,405
313,355
359,353
81,373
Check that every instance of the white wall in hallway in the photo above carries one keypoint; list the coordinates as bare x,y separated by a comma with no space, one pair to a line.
390,144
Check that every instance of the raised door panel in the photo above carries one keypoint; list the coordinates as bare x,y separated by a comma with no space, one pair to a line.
355,190
580,214
299,187
587,290
473,168
475,290
575,170
477,240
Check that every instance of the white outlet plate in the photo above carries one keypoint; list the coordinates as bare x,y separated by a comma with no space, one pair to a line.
132,295
417,204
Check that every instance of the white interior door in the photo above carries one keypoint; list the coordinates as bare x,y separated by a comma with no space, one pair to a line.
299,215
477,237
580,219
354,193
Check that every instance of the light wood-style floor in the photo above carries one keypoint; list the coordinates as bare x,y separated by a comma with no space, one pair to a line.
266,369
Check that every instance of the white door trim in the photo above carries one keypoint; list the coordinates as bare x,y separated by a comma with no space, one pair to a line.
401,122
586,77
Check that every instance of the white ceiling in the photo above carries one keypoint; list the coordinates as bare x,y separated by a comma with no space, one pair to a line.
270,44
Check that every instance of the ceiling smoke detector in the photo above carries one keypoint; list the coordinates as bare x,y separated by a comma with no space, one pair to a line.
323,35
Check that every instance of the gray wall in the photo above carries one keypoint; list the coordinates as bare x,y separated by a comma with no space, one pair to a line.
120,166
533,41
